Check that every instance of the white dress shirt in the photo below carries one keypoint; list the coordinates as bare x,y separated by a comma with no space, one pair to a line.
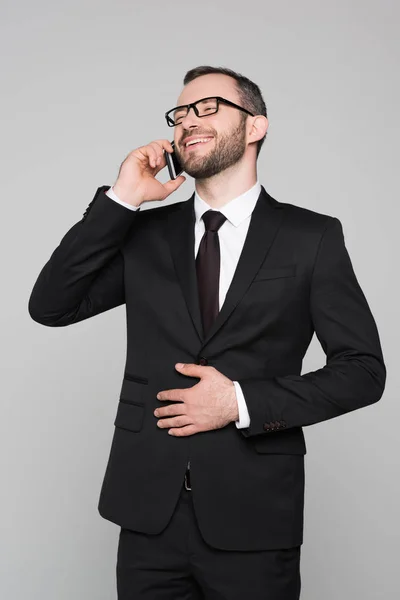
232,235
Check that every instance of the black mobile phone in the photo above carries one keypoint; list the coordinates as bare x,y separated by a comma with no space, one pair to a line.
174,166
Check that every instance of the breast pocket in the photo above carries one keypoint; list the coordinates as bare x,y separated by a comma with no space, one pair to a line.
275,272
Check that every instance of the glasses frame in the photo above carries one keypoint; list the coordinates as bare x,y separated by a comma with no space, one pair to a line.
219,100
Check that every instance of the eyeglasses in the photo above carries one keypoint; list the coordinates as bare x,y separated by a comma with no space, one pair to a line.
202,108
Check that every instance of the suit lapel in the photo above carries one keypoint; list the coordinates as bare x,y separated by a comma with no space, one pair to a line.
264,224
180,233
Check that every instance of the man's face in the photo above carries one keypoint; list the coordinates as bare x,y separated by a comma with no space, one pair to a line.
227,128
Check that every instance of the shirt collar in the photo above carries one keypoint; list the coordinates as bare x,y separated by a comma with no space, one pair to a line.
236,210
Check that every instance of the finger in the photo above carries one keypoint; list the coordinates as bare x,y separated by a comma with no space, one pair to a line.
161,158
171,395
180,421
153,156
160,145
183,431
178,408
164,144
148,153
154,151
161,162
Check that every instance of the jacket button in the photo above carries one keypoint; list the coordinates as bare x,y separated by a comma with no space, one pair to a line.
203,361
266,426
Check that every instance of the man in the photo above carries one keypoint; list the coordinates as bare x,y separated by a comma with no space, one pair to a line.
223,294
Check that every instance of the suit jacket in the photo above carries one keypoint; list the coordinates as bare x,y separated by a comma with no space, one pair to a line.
294,277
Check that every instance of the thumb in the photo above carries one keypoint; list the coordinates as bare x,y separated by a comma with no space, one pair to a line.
174,184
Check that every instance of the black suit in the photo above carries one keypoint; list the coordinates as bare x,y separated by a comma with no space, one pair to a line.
294,277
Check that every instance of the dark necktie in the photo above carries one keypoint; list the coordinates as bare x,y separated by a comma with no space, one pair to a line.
208,267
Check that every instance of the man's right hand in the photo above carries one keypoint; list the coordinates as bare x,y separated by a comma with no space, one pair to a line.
136,182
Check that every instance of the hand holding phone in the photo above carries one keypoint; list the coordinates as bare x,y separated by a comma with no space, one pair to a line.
137,183
174,166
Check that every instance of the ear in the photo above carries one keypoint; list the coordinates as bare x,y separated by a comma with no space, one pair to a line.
258,128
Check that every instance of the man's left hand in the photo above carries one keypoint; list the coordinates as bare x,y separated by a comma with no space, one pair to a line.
210,404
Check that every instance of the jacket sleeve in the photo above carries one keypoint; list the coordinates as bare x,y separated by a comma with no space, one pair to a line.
354,375
85,274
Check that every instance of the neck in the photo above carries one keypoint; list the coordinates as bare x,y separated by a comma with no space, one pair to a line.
225,186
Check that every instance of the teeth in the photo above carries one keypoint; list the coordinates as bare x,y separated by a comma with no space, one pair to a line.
201,140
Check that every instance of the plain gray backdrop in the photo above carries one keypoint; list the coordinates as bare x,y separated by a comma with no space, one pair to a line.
83,84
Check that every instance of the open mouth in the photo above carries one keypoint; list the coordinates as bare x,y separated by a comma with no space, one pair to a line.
197,144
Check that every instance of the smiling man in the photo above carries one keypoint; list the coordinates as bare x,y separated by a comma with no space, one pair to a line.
223,294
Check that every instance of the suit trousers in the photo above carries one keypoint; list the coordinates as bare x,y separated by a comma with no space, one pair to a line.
177,564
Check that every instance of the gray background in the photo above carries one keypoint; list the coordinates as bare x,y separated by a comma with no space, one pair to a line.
83,84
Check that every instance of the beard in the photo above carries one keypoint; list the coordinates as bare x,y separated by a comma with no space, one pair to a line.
228,149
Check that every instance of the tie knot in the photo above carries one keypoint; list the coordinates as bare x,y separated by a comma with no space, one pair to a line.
213,220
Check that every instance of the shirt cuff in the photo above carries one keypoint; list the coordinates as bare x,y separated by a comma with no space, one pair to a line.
244,417
111,194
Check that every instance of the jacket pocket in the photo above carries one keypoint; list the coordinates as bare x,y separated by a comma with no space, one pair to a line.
134,387
135,378
275,272
130,414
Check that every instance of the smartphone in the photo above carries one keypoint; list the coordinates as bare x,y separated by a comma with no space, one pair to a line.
174,166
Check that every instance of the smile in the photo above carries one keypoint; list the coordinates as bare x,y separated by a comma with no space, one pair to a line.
197,144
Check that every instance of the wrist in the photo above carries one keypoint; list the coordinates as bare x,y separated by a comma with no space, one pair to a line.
125,196
235,406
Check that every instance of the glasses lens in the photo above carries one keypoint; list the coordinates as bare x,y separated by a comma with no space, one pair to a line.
207,107
204,107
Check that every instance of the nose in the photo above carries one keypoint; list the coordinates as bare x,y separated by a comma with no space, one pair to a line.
191,119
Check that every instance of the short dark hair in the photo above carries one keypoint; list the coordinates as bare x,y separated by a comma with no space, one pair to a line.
248,91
